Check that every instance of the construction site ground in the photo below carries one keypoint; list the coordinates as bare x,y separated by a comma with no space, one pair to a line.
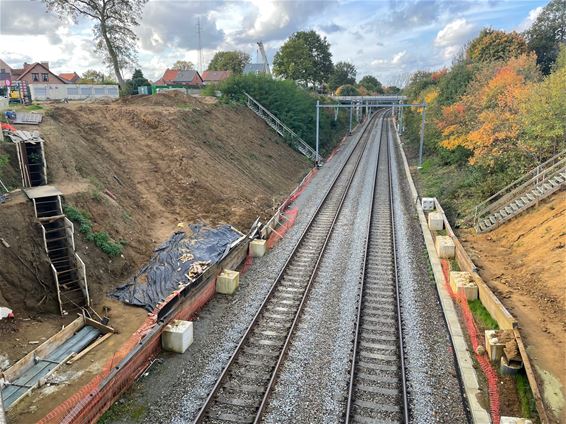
140,168
523,261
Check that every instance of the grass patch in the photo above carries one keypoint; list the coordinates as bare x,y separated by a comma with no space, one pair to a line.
454,265
526,399
482,316
101,239
124,411
34,107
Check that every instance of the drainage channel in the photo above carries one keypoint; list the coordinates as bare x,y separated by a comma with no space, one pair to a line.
242,391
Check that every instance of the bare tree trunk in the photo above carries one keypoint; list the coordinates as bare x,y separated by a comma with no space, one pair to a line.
113,56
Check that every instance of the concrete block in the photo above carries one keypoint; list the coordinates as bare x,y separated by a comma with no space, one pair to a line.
435,221
463,284
258,248
513,420
227,282
495,341
507,367
445,247
177,336
427,204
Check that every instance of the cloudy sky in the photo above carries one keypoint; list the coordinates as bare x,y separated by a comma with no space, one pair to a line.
386,38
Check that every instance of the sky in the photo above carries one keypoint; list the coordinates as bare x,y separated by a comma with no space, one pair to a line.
389,39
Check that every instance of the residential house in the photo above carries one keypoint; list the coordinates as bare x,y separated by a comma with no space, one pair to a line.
214,77
189,78
70,77
36,73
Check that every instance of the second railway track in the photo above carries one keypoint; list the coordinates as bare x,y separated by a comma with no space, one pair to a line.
241,393
377,391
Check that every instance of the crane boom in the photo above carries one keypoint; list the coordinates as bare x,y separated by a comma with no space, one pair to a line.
264,57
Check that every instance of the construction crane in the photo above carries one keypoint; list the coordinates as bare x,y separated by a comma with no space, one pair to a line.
264,57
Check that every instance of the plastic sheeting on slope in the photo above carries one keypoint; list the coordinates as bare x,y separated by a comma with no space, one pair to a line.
169,267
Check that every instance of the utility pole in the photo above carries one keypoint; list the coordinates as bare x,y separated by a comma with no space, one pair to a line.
422,136
199,46
351,107
317,129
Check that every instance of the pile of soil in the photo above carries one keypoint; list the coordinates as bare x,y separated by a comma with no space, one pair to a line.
139,167
523,261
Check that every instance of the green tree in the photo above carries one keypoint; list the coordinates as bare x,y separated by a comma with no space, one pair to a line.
417,83
371,84
305,57
183,65
492,45
138,80
392,90
547,33
114,34
454,84
92,76
234,61
347,90
342,74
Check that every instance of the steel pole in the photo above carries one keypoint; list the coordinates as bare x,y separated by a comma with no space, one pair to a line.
317,129
422,137
351,107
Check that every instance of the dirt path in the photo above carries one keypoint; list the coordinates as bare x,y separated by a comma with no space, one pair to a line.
523,261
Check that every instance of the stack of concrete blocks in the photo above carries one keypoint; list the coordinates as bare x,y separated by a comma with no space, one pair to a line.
258,248
463,283
513,420
427,204
494,345
445,247
227,282
435,221
177,336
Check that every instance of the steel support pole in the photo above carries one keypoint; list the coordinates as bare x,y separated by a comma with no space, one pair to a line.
351,107
317,129
422,137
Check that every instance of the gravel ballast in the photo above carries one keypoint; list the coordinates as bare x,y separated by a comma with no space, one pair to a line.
312,385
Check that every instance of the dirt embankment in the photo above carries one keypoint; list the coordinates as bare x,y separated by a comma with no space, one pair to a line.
523,261
139,167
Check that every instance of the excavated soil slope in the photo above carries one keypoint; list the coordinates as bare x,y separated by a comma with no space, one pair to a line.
139,168
523,261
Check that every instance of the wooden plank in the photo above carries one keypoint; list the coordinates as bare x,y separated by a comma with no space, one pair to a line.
88,349
541,409
44,349
104,328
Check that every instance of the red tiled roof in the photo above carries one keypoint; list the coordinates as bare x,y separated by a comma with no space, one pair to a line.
69,76
169,75
27,69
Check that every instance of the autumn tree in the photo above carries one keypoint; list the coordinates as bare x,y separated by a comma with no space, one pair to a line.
371,84
347,90
114,34
493,45
305,57
342,73
547,33
93,76
183,65
234,61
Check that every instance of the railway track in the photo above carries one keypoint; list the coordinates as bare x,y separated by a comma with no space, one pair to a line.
241,393
377,391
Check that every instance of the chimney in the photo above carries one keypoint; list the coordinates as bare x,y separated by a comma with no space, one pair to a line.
26,65
46,64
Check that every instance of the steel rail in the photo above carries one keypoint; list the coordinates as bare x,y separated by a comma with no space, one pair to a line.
358,149
384,141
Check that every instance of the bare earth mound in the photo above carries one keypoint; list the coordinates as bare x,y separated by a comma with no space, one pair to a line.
524,262
139,167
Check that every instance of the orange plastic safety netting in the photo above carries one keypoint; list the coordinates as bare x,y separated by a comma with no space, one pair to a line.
487,368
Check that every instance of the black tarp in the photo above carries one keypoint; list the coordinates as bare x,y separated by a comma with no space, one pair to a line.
169,267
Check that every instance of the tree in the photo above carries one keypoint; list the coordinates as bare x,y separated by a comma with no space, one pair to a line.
305,57
113,30
417,83
371,84
547,33
138,80
234,61
393,90
454,84
183,65
342,74
347,90
492,45
92,76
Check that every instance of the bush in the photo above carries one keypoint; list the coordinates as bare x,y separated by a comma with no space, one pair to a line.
293,105
101,239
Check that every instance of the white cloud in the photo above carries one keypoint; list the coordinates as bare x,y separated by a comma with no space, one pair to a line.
399,58
453,36
529,20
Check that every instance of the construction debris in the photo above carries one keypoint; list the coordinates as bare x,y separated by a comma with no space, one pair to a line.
197,268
